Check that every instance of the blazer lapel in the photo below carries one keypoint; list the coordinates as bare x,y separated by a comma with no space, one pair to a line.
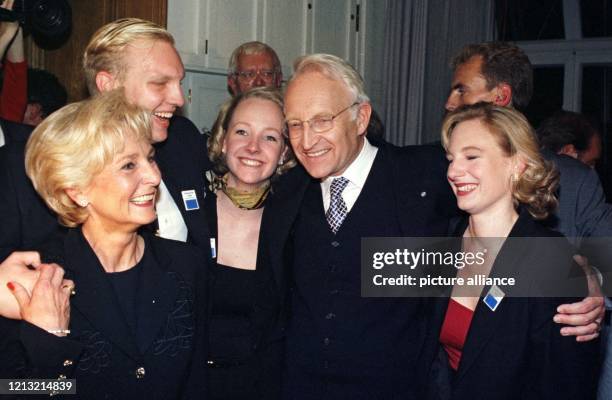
194,219
484,325
410,195
278,217
100,306
178,177
156,296
485,322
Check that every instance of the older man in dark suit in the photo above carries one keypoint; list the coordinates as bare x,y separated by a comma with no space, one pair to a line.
340,345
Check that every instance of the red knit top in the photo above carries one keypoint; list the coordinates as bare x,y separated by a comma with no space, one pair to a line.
454,331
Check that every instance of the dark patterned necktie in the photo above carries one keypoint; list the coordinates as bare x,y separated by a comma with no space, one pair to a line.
336,213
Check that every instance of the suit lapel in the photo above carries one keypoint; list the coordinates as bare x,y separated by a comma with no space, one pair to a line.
179,175
484,325
409,194
485,322
99,306
178,180
278,217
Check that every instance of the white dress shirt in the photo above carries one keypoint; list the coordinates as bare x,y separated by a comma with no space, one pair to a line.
169,218
356,173
2,142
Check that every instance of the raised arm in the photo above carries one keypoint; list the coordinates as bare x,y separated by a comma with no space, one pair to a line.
14,95
7,29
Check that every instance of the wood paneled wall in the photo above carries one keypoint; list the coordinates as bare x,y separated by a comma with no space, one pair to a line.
87,17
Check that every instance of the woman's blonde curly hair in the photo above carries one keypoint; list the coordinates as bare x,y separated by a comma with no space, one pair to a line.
536,186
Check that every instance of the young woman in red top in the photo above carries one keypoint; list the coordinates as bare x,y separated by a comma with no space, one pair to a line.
496,347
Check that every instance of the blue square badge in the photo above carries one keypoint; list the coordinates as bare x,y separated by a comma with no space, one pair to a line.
494,298
190,200
491,302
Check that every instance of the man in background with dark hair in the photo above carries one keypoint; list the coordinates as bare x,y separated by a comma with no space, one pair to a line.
45,95
572,134
494,72
501,73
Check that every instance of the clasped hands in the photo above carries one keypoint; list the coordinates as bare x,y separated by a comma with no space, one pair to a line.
40,296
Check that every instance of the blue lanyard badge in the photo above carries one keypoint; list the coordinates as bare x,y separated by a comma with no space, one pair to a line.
213,247
190,200
494,297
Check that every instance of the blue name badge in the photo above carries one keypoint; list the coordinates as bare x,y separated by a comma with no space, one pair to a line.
190,200
494,297
213,247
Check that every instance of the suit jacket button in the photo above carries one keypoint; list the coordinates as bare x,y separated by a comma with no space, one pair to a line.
67,363
140,373
326,341
331,315
335,243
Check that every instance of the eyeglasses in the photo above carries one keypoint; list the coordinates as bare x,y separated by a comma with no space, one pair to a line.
247,76
321,124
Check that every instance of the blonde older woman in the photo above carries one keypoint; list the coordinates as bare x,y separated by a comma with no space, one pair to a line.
135,325
249,150
494,347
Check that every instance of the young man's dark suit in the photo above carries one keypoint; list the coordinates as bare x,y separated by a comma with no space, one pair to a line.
340,345
183,160
27,222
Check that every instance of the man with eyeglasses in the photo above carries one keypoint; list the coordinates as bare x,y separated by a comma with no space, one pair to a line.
340,345
253,64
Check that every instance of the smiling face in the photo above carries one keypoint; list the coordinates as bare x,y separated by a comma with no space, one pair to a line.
253,144
479,171
122,196
330,153
152,80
